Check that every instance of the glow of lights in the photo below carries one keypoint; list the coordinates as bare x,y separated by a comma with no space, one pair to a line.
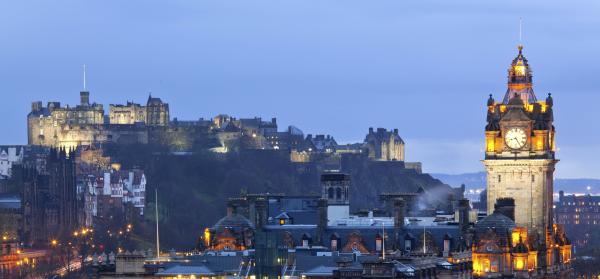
520,70
520,264
207,237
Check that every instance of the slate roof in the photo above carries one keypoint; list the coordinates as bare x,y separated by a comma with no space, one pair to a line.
235,221
495,220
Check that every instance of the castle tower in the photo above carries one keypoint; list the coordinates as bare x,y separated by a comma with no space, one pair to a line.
519,157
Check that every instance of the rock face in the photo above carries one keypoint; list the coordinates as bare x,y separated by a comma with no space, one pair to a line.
194,188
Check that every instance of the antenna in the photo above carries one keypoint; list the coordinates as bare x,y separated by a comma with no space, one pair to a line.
83,77
156,213
520,30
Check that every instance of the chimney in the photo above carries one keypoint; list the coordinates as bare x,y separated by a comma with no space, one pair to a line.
261,213
399,211
370,130
395,131
561,195
446,251
84,97
463,214
231,208
322,222
505,206
274,120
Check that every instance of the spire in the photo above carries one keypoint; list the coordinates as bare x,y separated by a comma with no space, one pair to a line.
84,85
521,31
520,79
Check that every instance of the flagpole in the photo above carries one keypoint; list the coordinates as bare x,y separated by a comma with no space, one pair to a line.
156,214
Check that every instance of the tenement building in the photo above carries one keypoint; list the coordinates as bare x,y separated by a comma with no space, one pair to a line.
580,214
520,161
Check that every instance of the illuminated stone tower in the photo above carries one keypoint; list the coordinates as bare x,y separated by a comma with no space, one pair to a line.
519,157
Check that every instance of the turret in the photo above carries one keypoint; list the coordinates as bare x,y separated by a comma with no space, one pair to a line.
520,79
84,97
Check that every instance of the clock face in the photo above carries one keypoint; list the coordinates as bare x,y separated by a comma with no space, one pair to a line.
515,138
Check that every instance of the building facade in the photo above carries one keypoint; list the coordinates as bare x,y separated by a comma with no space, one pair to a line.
384,145
520,162
580,215
51,208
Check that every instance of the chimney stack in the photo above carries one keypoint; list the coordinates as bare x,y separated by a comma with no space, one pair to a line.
322,222
231,208
261,213
505,206
399,212
463,214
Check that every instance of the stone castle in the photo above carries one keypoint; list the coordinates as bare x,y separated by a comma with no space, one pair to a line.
87,124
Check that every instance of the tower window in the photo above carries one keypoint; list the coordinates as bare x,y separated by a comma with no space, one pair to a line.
338,193
330,193
532,178
499,178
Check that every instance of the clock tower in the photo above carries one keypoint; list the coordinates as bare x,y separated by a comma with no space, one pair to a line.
519,151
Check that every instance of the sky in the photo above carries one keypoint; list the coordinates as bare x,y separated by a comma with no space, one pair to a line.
337,67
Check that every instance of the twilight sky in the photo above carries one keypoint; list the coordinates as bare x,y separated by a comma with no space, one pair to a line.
337,67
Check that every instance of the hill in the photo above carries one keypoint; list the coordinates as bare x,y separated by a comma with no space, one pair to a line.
193,188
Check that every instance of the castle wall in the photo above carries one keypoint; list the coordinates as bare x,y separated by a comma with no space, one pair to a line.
129,114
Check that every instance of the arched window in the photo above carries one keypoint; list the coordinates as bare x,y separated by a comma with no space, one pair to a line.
338,193
330,193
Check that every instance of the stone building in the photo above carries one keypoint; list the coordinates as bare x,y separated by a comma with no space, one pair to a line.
10,156
384,145
520,162
581,217
306,232
503,249
85,124
51,208
130,113
157,112
108,192
46,125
